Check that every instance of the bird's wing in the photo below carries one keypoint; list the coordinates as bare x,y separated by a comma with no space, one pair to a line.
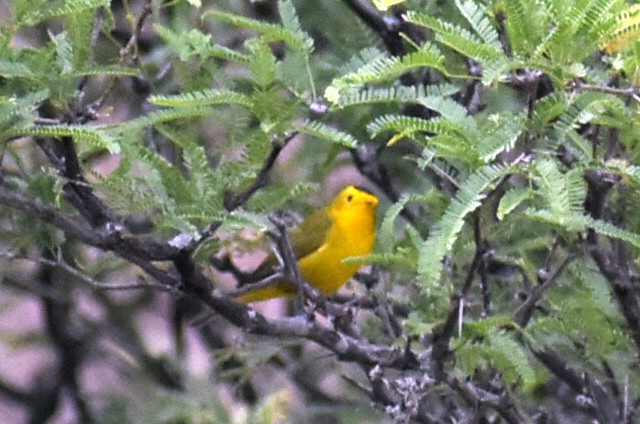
305,238
311,233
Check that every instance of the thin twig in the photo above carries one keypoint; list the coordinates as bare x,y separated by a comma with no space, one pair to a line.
443,334
261,284
387,27
60,264
502,403
234,201
131,48
523,314
366,160
632,92
291,269
613,259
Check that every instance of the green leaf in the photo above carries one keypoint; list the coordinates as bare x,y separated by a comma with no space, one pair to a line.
511,200
291,23
582,109
401,261
196,43
479,21
564,193
527,23
276,195
162,116
409,125
395,94
549,108
169,177
499,134
445,231
386,233
624,31
10,69
325,132
598,288
79,28
60,8
111,70
64,52
297,40
263,64
93,135
483,327
511,359
461,40
202,98
448,109
13,109
388,69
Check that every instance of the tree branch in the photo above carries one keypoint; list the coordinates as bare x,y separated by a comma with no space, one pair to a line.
523,314
613,262
387,27
108,237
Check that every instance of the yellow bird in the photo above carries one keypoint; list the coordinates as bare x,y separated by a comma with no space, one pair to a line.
345,228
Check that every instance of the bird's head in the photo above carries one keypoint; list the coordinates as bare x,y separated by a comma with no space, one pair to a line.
354,198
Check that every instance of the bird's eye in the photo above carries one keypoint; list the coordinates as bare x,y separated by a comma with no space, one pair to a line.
349,197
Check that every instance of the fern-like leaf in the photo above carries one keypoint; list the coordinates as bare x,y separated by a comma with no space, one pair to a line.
582,19
499,135
396,94
548,109
460,40
445,231
626,29
388,69
60,8
524,21
479,21
564,193
95,136
598,288
110,70
10,69
360,59
162,116
202,98
511,200
400,261
14,108
275,196
270,32
325,132
386,233
624,169
580,222
487,344
170,177
584,108
290,22
510,358
409,125
79,29
196,43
